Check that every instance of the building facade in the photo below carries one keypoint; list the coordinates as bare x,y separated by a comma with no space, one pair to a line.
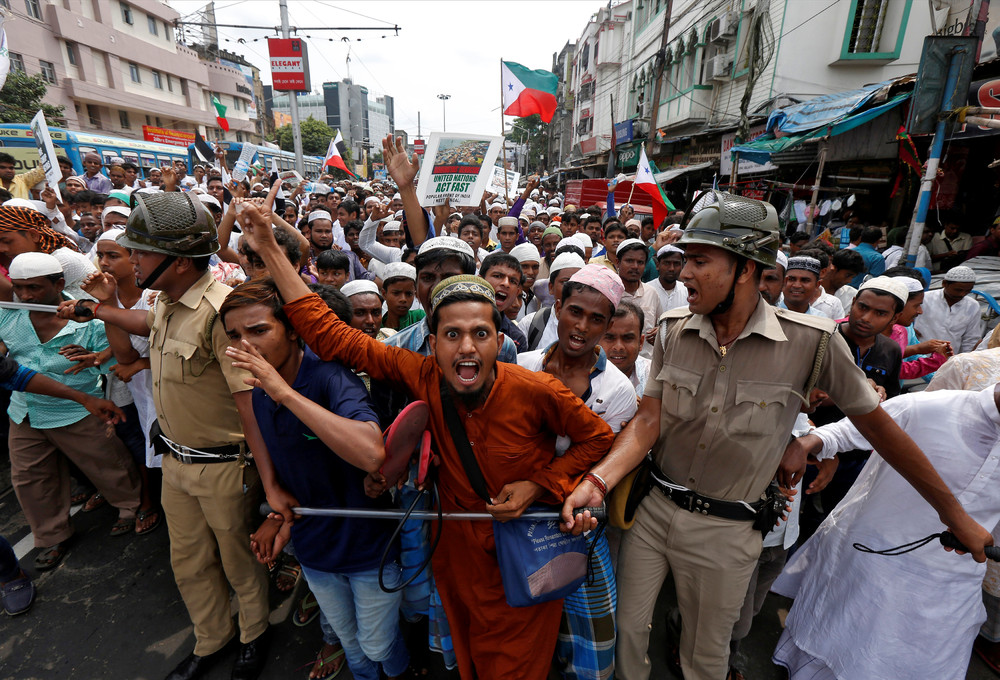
115,67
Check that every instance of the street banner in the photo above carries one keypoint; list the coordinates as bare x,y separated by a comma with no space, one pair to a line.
46,153
496,185
457,167
168,136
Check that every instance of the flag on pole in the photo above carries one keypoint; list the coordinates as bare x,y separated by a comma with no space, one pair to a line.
4,52
203,149
644,180
526,92
335,154
220,113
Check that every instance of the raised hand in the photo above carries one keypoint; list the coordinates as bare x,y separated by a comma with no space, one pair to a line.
256,223
400,167
101,286
265,376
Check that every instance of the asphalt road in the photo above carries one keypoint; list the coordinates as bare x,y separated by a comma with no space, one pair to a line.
111,611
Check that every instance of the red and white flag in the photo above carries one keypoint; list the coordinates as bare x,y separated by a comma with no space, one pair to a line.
335,154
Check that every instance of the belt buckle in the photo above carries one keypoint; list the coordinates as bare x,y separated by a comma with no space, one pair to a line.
690,501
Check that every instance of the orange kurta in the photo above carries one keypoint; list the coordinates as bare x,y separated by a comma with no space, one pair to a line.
513,438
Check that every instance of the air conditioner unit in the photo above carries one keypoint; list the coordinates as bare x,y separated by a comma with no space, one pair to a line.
723,27
717,68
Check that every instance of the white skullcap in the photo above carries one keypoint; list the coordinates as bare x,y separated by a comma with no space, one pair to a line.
446,243
396,196
525,252
566,261
359,286
667,249
567,242
399,270
633,223
507,222
22,203
371,199
319,215
674,227
257,184
887,284
960,274
584,240
209,200
116,209
111,234
497,204
553,211
398,215
781,260
30,265
392,227
628,243
554,201
189,181
912,285
534,192
583,216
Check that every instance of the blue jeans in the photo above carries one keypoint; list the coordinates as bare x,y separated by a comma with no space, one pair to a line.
365,618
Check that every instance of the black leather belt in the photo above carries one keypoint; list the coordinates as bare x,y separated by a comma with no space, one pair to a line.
693,501
207,455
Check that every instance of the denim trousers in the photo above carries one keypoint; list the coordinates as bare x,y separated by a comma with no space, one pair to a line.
365,618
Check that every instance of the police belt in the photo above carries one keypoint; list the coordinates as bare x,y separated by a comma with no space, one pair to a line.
695,502
213,454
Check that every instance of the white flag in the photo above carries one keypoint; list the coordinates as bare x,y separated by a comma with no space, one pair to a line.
4,52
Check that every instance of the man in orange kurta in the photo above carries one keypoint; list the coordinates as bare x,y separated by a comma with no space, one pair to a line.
512,429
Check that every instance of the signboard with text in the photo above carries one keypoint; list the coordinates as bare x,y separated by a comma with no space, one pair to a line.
418,146
46,153
624,132
457,168
167,136
289,64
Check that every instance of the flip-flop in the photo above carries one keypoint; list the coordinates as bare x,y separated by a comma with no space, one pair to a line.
308,606
50,557
94,502
123,527
291,572
325,660
80,497
142,516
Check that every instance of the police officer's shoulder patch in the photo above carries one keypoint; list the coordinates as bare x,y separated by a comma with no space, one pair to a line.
811,320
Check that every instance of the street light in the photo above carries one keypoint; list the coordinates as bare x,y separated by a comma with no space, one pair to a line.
444,110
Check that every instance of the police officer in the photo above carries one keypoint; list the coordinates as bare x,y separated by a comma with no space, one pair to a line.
203,410
718,409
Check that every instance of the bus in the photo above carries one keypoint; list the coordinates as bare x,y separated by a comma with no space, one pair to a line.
17,140
285,159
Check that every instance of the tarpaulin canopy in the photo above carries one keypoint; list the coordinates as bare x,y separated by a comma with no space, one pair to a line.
674,173
821,111
761,149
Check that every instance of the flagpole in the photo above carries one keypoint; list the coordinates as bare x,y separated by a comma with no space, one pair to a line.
503,139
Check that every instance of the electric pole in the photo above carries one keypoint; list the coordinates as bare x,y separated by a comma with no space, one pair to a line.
293,102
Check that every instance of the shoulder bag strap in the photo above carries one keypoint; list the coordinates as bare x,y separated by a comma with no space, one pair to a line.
461,439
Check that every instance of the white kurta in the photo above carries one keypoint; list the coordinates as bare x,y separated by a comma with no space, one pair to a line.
912,616
961,323
670,299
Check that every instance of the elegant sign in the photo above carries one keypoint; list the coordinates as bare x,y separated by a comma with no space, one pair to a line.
289,64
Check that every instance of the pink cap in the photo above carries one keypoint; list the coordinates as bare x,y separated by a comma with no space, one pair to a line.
602,279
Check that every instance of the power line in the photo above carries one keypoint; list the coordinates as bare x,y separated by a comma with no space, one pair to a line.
349,11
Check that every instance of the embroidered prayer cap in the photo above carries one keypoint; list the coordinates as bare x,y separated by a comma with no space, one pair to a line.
668,249
359,286
30,265
566,261
446,243
628,244
912,285
887,284
525,252
601,279
319,215
809,264
960,274
392,227
507,222
464,283
398,270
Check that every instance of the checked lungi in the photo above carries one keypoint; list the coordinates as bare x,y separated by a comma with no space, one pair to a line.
586,646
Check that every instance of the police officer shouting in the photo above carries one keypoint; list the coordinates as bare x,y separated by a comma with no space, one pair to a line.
718,409
203,410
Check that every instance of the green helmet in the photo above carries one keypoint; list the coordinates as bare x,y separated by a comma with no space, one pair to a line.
172,223
743,226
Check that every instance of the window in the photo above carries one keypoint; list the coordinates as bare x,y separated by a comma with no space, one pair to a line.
133,70
239,136
16,62
94,114
34,9
151,22
866,29
5,4
48,71
157,81
71,53
149,121
127,14
158,123
123,120
170,83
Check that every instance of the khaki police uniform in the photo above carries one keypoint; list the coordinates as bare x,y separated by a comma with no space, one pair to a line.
725,420
207,505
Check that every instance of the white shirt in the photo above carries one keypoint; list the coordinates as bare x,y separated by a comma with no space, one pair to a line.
960,323
612,396
141,384
368,243
649,302
889,611
76,267
894,254
846,295
828,305
670,299
640,373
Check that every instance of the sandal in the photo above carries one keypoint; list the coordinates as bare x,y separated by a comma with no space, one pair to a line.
321,663
50,557
307,610
288,575
80,496
123,526
96,501
142,516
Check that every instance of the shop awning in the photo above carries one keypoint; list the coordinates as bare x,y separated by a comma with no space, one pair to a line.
674,173
761,149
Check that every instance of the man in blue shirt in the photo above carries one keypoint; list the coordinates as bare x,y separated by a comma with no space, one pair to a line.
323,436
874,262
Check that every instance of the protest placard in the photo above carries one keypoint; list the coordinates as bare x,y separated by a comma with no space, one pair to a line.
46,153
496,185
290,179
457,167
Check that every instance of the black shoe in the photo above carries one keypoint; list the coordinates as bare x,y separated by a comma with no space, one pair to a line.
251,659
194,666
